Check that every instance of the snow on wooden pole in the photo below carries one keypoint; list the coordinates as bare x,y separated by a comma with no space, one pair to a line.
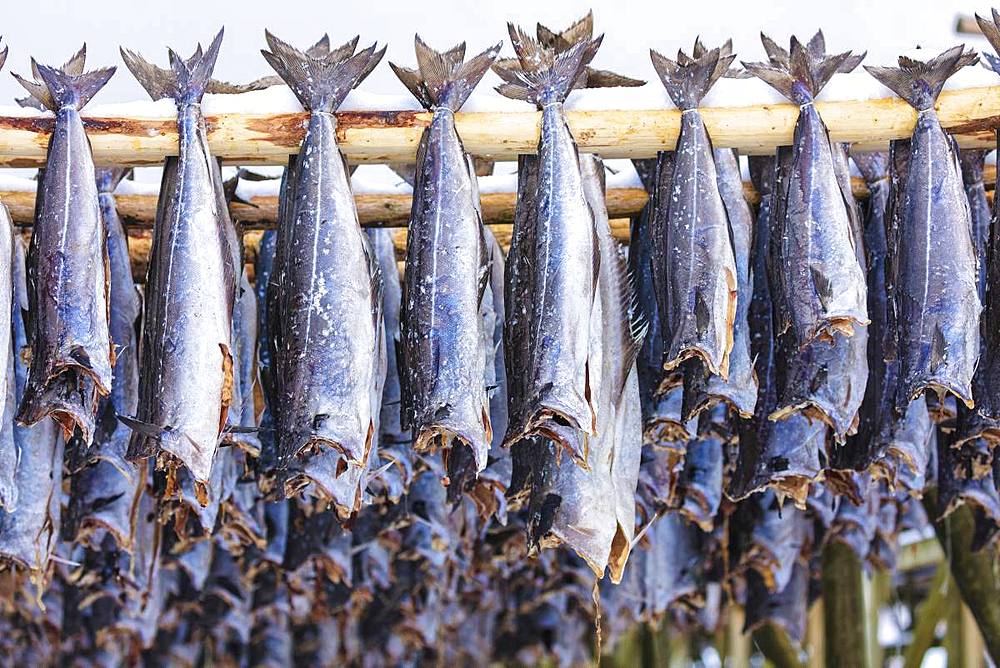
392,136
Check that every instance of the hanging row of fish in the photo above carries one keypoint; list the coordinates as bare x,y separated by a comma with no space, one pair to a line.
359,461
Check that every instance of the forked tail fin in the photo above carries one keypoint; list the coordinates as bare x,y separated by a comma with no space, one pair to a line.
802,72
441,78
689,78
541,75
67,86
920,83
320,77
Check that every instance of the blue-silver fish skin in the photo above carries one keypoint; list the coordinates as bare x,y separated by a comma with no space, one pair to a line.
820,285
562,257
325,299
447,268
937,290
695,265
71,353
186,370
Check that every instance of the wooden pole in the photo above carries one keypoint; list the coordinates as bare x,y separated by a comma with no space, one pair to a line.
737,645
975,573
928,614
392,136
815,647
843,608
777,647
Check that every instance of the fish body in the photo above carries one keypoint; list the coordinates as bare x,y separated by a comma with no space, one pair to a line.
661,408
447,269
105,483
937,292
186,370
11,260
739,389
592,508
820,284
324,301
29,532
695,265
71,353
562,256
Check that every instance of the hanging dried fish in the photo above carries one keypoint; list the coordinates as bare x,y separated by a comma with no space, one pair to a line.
820,284
186,371
739,390
29,531
984,419
663,424
447,267
877,412
11,260
592,509
552,334
329,363
827,377
71,353
783,454
938,319
104,484
695,268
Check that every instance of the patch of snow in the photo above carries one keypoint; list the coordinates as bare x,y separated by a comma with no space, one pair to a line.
498,183
378,180
11,183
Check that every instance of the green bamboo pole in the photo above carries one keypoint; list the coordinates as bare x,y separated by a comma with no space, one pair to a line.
777,648
737,642
930,612
844,609
974,573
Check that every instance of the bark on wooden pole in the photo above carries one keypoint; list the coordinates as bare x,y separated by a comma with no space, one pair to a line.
392,136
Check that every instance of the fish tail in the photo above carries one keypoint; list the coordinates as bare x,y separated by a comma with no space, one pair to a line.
67,86
185,81
321,77
991,31
920,83
688,80
807,69
442,79
540,74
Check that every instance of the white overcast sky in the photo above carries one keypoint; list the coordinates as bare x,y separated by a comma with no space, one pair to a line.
51,30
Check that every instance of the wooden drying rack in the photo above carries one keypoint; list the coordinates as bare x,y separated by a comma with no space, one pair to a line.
392,137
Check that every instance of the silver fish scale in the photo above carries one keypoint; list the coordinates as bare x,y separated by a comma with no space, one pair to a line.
564,280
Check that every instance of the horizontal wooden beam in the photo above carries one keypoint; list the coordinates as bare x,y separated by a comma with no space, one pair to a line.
392,136
388,210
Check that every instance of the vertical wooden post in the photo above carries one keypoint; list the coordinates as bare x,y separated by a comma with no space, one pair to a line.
777,647
974,573
737,643
815,646
928,614
844,609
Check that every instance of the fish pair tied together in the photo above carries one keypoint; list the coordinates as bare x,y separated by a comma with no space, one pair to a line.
321,443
